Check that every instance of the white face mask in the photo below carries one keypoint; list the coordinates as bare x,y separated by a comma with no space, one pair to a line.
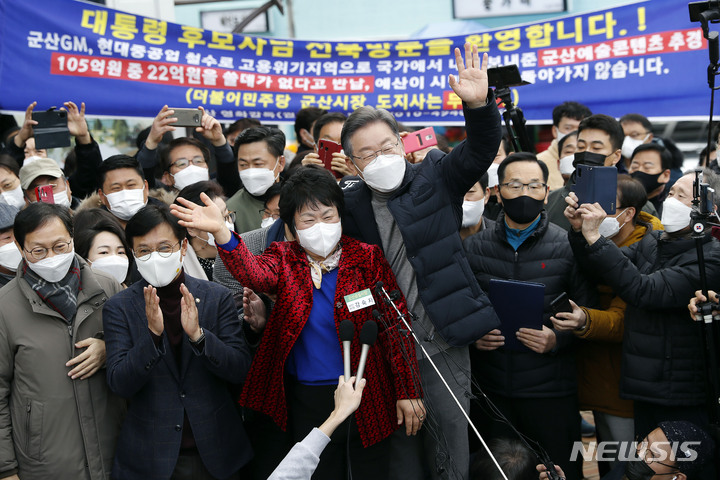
385,173
675,215
257,180
562,135
190,175
10,256
230,226
126,203
113,265
492,172
53,269
61,198
160,271
320,239
566,165
610,226
266,222
472,212
630,144
14,197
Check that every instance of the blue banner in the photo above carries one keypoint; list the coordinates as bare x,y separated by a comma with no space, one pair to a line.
626,59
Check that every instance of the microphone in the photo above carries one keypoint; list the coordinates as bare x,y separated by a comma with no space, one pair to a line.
347,332
368,334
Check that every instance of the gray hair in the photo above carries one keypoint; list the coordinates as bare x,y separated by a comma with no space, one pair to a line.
360,118
713,180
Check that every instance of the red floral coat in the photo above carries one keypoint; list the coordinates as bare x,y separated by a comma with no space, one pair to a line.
391,370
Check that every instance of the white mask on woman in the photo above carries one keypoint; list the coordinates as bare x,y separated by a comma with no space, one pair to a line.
385,173
114,265
53,269
14,197
160,271
320,239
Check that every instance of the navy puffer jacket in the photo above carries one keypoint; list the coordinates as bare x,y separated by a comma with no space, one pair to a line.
544,257
427,208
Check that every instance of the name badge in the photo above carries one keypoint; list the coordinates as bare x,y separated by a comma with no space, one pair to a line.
359,300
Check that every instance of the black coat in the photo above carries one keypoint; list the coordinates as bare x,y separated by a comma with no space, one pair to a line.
544,257
662,347
428,210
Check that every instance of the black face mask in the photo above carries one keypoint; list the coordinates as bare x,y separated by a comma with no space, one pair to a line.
589,158
650,182
523,209
638,470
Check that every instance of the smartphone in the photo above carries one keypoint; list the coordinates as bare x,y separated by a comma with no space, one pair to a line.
597,185
51,130
187,117
44,194
326,148
415,141
561,304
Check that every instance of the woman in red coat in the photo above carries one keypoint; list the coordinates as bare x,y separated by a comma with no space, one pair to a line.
299,360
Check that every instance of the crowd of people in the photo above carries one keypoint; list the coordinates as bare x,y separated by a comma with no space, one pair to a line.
182,313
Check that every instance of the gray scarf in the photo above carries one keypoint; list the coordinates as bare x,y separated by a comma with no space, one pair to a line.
60,296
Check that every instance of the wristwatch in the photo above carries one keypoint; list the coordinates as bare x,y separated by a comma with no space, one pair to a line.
200,338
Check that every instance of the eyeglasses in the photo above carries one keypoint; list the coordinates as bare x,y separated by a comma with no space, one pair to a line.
184,162
164,250
518,187
230,217
268,213
639,135
388,149
38,253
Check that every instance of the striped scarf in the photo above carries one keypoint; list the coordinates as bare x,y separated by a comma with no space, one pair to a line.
60,296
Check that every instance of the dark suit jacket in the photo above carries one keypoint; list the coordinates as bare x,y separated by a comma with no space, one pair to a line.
159,394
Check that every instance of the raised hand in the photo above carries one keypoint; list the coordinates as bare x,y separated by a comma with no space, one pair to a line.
571,213
211,129
152,310
162,124
207,218
76,122
471,84
189,314
26,131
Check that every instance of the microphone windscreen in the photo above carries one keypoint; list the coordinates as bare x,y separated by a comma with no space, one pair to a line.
376,313
369,332
347,331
